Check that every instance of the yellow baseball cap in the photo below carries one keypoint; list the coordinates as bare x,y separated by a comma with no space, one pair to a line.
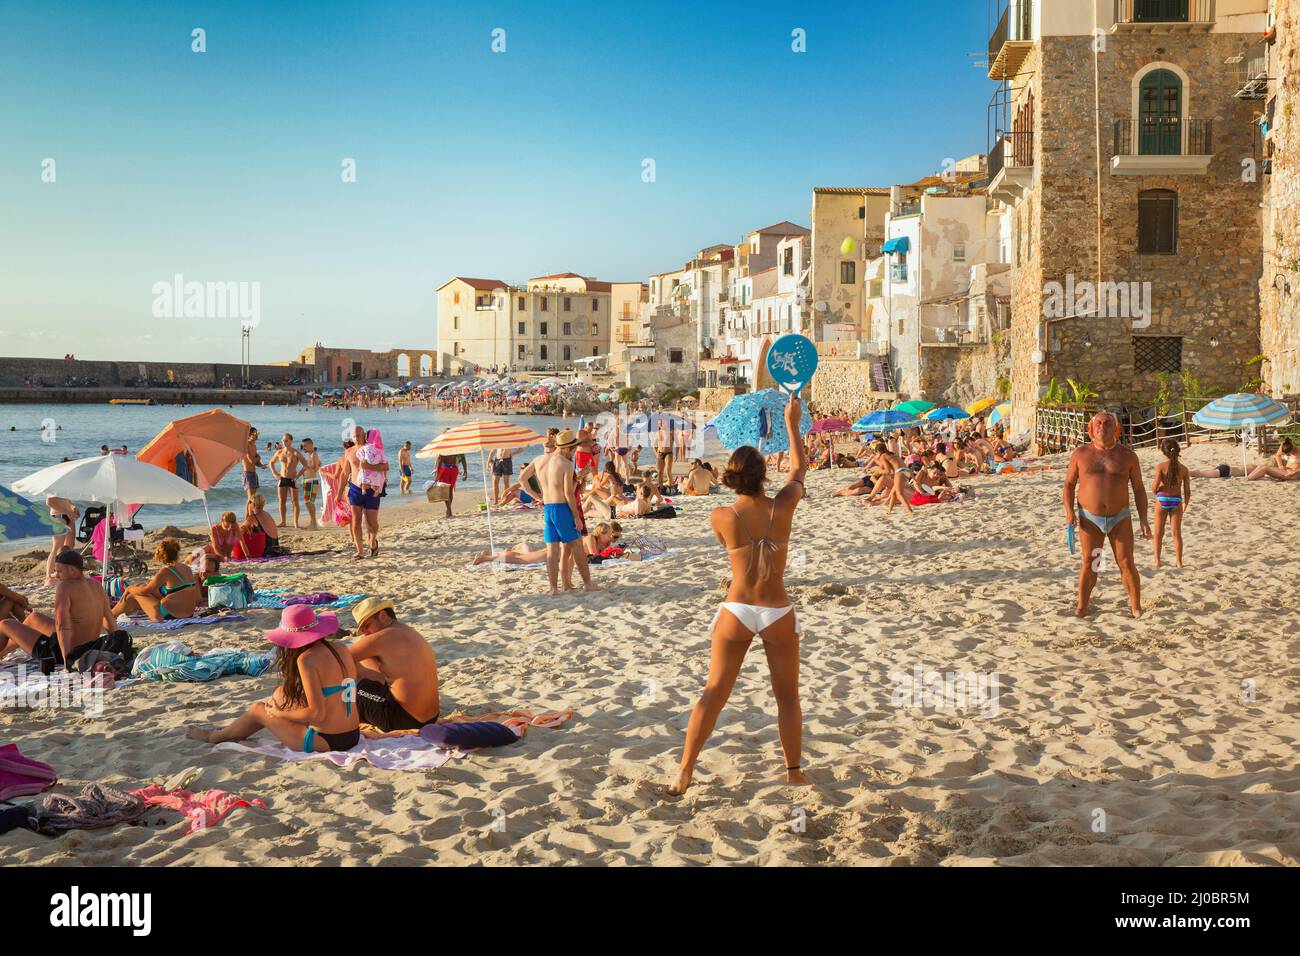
369,608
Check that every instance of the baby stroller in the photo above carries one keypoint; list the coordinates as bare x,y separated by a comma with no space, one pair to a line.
124,559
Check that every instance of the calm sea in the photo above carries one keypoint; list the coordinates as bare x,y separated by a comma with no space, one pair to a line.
83,428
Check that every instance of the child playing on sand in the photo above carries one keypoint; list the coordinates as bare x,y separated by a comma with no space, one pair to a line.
1172,487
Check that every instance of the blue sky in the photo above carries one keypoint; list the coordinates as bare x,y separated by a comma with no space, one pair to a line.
225,166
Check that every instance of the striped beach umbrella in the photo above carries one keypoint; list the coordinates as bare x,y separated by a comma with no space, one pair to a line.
980,405
1241,410
480,437
884,420
999,413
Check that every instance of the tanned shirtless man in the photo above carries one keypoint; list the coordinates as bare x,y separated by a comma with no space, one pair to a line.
397,672
286,464
556,475
1102,472
82,616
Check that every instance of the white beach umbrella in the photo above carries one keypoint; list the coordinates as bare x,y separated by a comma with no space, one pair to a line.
108,479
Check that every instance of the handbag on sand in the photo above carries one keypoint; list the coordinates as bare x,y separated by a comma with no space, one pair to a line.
21,776
229,590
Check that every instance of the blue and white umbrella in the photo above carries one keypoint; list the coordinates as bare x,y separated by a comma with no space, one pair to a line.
758,419
1242,410
20,518
884,421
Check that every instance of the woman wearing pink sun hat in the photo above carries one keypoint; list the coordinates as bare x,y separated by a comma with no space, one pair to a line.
313,707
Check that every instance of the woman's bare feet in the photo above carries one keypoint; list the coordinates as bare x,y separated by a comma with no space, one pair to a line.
198,733
683,782
795,776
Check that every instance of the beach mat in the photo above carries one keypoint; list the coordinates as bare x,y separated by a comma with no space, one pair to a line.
607,563
176,623
275,599
408,752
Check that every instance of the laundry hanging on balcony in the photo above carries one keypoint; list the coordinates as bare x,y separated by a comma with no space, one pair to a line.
899,245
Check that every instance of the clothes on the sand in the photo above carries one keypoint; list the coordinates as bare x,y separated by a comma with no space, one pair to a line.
315,598
176,623
17,817
469,736
202,809
367,499
918,498
277,600
559,527
167,663
94,807
47,652
377,706
405,752
21,776
520,720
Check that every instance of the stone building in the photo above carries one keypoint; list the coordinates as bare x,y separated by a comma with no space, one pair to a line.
1136,235
1275,66
339,366
548,323
848,229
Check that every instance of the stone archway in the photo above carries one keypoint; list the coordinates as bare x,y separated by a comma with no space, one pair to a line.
403,365
426,365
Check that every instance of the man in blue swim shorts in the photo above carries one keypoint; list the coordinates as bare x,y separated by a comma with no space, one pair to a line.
555,473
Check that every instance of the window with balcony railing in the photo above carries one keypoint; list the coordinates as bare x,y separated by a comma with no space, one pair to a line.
1164,11
1164,134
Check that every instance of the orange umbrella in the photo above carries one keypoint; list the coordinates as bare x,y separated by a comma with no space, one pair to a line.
215,441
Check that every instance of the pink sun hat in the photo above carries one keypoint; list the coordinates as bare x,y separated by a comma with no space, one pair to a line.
300,625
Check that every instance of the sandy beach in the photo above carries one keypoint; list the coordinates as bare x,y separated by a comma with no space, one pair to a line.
1107,741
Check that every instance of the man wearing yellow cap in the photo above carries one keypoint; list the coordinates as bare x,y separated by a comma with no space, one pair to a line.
397,672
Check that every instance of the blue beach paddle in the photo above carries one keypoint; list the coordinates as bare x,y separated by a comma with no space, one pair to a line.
791,361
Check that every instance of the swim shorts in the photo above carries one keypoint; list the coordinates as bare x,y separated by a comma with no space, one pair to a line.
288,483
406,471
376,705
359,499
250,481
558,527
310,489
503,467
1225,471
49,655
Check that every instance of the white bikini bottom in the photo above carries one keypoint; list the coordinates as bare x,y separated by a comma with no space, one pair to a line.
752,616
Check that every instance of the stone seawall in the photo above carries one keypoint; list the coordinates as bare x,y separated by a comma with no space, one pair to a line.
51,372
845,385
160,396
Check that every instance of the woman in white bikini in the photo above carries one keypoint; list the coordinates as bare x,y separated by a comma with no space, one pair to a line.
755,531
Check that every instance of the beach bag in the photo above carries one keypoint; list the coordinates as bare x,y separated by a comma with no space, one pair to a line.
21,776
438,492
663,511
469,736
648,545
229,590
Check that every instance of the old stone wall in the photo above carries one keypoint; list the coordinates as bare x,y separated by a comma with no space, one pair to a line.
1207,293
24,372
846,386
1280,282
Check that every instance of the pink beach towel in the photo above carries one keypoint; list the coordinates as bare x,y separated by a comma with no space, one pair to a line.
203,809
21,776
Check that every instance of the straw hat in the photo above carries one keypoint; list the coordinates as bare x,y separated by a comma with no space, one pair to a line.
369,608
565,438
300,625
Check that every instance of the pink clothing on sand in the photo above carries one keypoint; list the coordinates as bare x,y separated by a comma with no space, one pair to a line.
203,809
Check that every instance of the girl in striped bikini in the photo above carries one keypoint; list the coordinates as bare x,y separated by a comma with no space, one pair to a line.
1172,487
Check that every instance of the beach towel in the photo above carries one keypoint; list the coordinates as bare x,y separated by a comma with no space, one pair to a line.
167,663
94,807
408,752
604,562
277,599
22,776
176,623
203,809
334,501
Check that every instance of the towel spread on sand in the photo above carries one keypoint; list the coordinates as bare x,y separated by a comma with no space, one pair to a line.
606,563
167,662
409,752
176,623
203,809
277,599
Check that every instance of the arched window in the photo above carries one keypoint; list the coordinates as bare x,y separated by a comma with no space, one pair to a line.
1157,222
1160,112
404,365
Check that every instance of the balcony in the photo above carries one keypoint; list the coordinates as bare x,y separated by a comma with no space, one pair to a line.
1162,146
1252,72
1011,166
1163,15
1012,40
908,207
